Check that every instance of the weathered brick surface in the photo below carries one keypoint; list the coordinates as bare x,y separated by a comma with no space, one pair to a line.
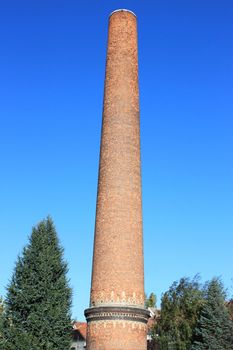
118,335
118,272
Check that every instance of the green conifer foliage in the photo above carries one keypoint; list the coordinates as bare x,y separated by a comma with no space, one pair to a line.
180,309
38,302
215,329
151,301
1,321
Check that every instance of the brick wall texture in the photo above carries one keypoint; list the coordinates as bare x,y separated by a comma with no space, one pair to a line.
117,271
118,335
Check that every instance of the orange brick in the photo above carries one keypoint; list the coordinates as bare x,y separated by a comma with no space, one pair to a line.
118,272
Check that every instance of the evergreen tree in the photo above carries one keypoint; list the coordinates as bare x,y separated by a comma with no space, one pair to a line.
180,308
214,330
37,314
1,321
151,301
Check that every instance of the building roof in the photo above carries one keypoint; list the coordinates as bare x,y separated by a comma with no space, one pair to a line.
154,316
81,327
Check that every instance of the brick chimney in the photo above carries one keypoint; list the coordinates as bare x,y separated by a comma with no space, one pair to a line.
116,317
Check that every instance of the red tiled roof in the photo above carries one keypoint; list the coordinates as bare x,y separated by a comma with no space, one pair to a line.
154,316
151,323
81,327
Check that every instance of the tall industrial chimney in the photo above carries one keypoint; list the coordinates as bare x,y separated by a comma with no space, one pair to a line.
117,319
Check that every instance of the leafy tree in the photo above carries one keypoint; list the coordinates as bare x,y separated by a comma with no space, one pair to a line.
180,308
37,314
151,301
214,330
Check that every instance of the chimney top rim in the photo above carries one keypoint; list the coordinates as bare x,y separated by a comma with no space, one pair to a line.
122,10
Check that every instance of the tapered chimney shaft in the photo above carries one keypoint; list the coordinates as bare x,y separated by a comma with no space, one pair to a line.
116,317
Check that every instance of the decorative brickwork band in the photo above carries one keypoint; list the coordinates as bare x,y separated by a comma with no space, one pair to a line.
117,313
116,317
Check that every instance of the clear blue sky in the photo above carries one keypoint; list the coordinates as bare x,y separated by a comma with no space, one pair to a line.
52,61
